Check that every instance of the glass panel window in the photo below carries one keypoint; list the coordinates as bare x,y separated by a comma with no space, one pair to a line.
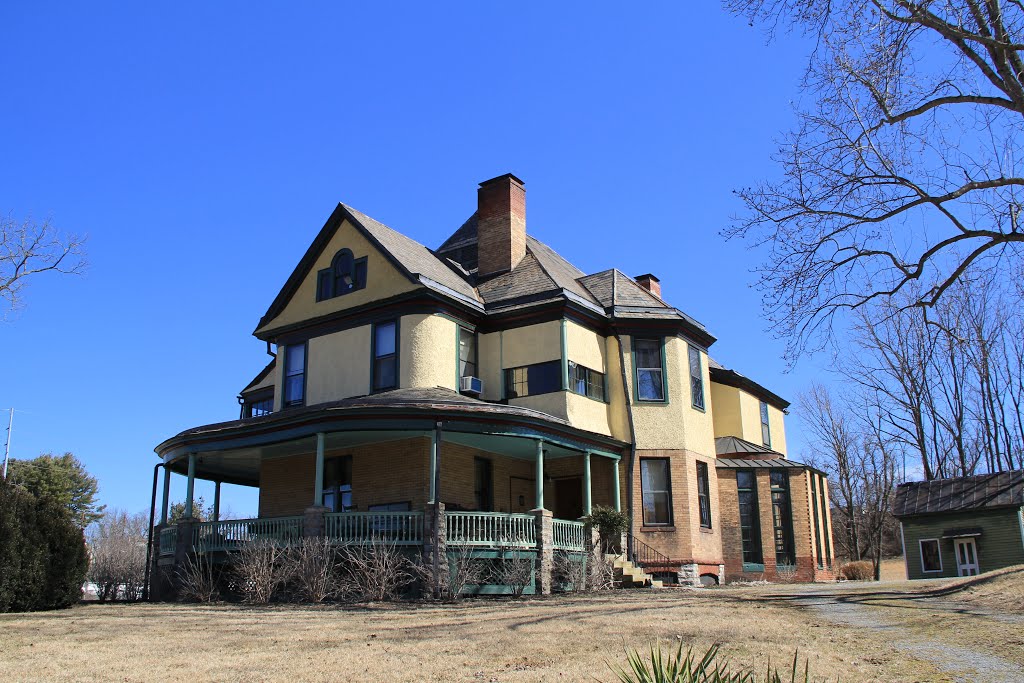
766,432
704,495
484,484
294,374
824,520
817,521
782,518
696,379
650,375
346,274
586,382
338,484
931,559
531,380
750,517
385,356
655,485
467,353
259,408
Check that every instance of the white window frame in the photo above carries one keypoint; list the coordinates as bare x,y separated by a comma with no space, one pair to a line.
920,548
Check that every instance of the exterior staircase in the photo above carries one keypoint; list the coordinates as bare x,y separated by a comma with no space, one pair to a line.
628,575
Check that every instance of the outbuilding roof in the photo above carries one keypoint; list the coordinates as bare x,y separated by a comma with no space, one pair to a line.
960,494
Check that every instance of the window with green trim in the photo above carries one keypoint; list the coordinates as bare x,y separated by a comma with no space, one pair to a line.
586,382
782,518
656,491
467,353
346,274
338,483
294,374
385,355
703,494
766,431
750,517
696,378
650,370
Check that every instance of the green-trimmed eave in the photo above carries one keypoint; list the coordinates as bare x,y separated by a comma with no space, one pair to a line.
385,419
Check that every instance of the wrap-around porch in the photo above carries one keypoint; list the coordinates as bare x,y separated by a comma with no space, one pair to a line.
450,484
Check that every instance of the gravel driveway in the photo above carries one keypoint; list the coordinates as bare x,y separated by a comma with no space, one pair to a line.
866,609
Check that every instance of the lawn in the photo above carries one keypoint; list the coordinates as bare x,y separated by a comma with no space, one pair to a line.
566,638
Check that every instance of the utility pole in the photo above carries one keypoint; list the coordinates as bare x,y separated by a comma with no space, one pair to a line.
7,449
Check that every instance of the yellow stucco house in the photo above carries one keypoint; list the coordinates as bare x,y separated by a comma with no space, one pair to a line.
489,393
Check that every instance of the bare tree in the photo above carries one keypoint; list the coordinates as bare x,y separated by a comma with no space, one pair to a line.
904,167
28,248
117,555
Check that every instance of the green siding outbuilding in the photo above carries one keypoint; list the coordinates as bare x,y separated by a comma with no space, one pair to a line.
962,526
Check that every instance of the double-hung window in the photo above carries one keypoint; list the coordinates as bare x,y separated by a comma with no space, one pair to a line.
385,355
650,371
586,382
338,483
294,374
766,432
703,495
656,488
467,353
696,379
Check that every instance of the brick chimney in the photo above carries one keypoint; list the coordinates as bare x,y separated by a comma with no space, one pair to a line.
501,224
650,283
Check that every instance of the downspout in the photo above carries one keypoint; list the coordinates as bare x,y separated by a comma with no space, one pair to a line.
149,540
632,442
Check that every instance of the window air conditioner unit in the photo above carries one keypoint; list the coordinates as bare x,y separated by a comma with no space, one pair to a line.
471,385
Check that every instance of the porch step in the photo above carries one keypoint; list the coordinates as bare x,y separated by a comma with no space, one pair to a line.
628,575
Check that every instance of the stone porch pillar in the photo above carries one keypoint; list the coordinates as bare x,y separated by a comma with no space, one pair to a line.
594,557
313,522
545,550
435,546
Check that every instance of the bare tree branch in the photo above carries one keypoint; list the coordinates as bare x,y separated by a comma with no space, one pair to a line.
28,248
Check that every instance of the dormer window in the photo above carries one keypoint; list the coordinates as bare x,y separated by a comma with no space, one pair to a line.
346,274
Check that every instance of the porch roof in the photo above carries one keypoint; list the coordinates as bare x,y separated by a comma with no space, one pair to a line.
231,451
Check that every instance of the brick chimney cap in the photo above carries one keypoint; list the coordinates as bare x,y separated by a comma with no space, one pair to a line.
646,276
503,176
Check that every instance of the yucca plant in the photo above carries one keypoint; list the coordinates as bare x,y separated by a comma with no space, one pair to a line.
685,667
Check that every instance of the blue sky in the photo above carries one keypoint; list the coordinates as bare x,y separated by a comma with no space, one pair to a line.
201,147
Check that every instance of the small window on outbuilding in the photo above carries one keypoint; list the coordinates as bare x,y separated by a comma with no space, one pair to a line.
346,274
931,558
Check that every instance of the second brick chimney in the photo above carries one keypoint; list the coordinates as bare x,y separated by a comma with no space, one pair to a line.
501,224
650,283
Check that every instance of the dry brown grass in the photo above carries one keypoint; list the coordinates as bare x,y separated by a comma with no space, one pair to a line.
567,638
1001,590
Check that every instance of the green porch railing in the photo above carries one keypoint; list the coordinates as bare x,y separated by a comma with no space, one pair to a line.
364,528
490,529
227,535
168,540
568,535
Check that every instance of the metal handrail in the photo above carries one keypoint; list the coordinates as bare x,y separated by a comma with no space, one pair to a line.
644,555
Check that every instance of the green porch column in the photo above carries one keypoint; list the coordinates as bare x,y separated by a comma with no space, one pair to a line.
216,501
191,488
167,495
615,493
538,472
586,483
318,484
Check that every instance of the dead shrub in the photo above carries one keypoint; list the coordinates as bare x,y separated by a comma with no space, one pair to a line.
862,570
375,572
261,568
785,573
312,570
601,573
569,572
199,579
117,555
459,569
514,569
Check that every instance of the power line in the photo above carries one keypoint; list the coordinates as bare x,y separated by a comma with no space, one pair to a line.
7,448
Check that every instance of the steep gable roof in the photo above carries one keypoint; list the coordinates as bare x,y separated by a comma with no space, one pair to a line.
418,263
961,494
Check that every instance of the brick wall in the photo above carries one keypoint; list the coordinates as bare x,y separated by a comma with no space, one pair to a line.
398,472
803,528
684,541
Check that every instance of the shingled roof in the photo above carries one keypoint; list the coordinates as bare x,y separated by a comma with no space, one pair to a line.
961,494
